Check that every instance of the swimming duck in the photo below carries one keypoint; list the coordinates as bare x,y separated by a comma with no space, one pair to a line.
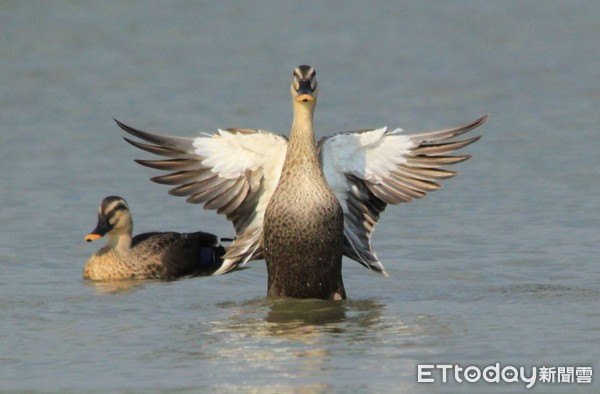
157,255
299,205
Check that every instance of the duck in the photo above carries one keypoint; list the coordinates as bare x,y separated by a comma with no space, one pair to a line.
299,204
154,255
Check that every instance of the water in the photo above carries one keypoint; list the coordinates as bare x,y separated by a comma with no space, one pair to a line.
501,266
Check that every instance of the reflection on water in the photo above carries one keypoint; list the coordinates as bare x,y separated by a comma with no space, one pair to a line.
306,388
296,340
306,312
117,286
299,319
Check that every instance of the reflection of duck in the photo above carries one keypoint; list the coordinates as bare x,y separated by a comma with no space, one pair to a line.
116,286
165,255
297,204
289,314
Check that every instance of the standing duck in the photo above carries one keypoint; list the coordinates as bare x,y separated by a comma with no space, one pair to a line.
300,205
164,255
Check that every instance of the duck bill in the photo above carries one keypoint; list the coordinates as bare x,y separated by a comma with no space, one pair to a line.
101,229
306,93
92,237
305,98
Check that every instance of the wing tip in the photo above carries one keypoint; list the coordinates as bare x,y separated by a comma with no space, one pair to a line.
476,123
124,127
227,266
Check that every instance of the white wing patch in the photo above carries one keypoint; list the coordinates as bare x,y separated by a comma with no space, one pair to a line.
367,156
231,154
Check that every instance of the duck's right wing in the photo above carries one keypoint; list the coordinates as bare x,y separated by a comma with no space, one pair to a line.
234,172
368,169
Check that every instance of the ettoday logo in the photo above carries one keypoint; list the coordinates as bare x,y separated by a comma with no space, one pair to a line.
432,373
471,374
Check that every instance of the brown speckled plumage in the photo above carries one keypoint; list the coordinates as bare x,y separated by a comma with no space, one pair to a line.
166,255
303,225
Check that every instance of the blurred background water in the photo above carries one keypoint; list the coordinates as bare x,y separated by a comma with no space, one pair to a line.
499,266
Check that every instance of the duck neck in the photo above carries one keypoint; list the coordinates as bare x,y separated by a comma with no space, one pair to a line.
302,150
121,240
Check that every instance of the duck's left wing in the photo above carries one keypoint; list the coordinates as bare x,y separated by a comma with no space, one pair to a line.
234,172
369,169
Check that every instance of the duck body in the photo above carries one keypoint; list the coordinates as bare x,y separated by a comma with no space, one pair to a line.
156,255
167,255
303,222
303,240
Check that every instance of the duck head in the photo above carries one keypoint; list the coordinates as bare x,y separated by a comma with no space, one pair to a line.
304,85
114,220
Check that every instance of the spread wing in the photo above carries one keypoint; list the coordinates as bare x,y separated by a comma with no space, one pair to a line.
234,172
369,169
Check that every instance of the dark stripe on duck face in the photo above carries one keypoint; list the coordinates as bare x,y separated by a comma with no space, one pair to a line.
307,87
304,72
111,205
115,211
103,226
304,79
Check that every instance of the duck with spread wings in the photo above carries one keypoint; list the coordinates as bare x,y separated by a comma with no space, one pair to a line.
301,205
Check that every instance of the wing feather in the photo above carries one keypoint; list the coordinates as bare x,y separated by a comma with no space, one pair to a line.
159,150
184,177
228,196
443,148
170,164
237,195
234,172
434,161
369,169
